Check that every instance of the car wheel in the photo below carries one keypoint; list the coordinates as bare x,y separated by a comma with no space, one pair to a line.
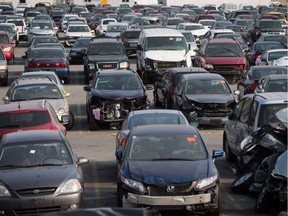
241,184
228,154
93,124
87,80
119,195
262,204
4,81
69,126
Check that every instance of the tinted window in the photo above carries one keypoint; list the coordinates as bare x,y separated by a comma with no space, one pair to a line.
106,49
244,116
165,43
268,111
223,50
132,34
188,36
237,110
82,43
278,86
20,119
197,86
261,72
165,147
16,22
46,53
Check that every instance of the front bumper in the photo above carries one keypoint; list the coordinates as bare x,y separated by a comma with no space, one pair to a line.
41,204
168,201
213,121
8,56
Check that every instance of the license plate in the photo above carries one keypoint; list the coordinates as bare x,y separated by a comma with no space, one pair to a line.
107,66
215,121
133,45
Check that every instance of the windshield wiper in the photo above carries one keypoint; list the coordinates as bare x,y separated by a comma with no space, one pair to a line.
11,166
11,126
163,159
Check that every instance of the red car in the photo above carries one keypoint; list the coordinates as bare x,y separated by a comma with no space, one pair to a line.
222,56
7,45
28,115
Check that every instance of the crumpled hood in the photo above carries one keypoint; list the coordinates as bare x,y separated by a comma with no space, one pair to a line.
225,60
210,98
163,172
36,177
118,95
166,55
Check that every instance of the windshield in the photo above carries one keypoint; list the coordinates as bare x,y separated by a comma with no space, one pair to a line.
35,92
82,43
188,36
277,55
115,28
194,27
29,154
273,24
165,43
268,112
41,26
106,49
277,85
223,50
167,147
118,83
206,87
8,29
257,73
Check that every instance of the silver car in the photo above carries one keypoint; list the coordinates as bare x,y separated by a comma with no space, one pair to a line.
40,27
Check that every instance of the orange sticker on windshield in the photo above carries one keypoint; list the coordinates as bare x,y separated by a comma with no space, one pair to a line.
222,81
191,139
54,90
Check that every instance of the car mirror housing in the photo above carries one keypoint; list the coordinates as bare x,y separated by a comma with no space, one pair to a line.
65,119
83,52
119,154
149,86
87,88
217,153
82,160
139,47
5,99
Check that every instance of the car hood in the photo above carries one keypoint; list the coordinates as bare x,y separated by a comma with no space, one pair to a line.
199,32
226,60
108,58
41,31
118,94
163,172
166,55
37,177
210,98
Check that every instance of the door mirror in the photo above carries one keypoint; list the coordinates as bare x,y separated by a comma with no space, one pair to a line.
217,153
139,47
119,154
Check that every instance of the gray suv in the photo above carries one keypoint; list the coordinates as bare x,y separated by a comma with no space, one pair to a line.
249,115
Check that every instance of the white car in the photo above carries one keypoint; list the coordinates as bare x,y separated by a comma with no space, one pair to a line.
197,29
272,57
102,27
65,19
114,29
74,31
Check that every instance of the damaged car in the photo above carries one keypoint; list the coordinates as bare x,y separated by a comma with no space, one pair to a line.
112,94
165,167
204,98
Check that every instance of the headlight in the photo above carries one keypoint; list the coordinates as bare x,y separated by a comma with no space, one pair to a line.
4,191
7,49
209,66
138,186
91,66
3,67
246,141
61,110
124,65
205,182
71,186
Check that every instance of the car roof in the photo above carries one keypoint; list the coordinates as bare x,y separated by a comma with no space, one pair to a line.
33,80
32,135
277,77
102,40
158,32
187,69
23,105
207,76
117,72
163,129
270,97
222,40
38,73
154,111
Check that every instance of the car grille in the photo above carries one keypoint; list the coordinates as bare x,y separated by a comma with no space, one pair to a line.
36,211
163,65
214,110
224,67
177,189
36,191
107,65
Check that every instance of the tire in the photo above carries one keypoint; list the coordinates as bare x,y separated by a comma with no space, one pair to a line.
228,154
4,81
86,80
119,195
242,183
93,124
263,201
69,126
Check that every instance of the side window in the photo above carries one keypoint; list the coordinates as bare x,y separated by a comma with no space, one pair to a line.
244,116
237,110
179,86
253,113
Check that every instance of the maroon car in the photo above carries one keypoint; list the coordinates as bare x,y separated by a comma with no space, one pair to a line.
222,56
7,45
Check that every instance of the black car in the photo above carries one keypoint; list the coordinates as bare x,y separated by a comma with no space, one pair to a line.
75,53
168,167
204,98
259,47
248,83
130,38
165,86
112,94
39,172
104,54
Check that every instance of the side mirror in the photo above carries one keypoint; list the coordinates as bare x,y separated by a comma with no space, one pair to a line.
87,88
119,154
83,52
6,99
67,94
217,153
139,47
236,92
65,119
149,86
82,160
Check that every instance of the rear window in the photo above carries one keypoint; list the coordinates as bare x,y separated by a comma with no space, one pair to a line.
23,118
106,22
16,22
132,34
261,72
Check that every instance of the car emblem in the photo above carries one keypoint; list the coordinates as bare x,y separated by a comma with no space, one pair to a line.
48,64
170,189
36,191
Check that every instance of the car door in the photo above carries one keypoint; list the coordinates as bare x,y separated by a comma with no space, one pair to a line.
237,126
161,91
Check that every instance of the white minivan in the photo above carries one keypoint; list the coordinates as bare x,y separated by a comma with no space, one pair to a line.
159,49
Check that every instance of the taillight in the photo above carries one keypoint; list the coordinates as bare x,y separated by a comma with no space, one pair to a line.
53,127
60,64
123,141
34,64
255,56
